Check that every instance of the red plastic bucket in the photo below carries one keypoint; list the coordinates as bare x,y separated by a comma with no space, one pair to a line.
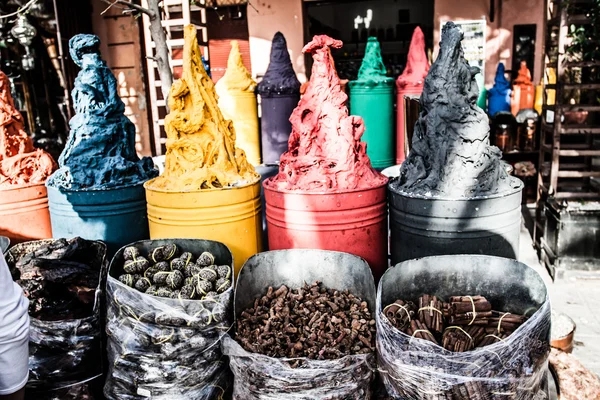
400,128
354,222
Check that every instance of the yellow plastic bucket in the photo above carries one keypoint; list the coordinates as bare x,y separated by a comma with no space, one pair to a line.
231,216
242,109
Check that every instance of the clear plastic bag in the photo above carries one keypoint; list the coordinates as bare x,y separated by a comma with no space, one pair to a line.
259,377
164,348
64,352
513,368
90,389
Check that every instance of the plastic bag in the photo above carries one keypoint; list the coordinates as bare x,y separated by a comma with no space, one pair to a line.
64,352
165,348
87,390
514,368
259,377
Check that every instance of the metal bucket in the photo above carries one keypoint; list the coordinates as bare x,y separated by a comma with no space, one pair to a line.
265,171
242,109
4,244
376,106
293,268
275,125
231,216
353,221
423,227
509,285
115,216
24,213
401,136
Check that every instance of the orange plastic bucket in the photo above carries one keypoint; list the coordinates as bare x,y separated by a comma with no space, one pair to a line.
24,213
354,222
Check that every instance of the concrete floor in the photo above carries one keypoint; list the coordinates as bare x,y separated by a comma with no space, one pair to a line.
579,298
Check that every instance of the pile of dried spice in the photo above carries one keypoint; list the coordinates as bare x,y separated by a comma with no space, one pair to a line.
460,324
311,321
164,272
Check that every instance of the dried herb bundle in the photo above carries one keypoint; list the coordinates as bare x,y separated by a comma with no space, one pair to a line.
461,324
311,321
166,273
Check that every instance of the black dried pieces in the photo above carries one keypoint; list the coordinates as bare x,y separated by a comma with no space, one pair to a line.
130,253
311,321
461,324
164,274
60,279
136,266
205,259
224,271
175,280
163,253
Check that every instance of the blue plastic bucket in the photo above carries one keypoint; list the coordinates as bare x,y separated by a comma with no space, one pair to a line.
115,216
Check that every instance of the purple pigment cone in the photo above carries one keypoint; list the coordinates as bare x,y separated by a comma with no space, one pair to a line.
280,93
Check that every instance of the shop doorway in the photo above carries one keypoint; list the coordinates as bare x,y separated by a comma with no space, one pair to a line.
391,21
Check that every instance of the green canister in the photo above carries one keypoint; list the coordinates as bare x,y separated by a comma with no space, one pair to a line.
372,98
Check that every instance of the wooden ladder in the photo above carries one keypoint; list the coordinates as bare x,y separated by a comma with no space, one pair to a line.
176,14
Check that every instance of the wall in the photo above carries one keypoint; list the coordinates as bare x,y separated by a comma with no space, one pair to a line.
499,33
265,18
122,49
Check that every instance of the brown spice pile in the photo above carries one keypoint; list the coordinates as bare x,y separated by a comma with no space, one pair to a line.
311,321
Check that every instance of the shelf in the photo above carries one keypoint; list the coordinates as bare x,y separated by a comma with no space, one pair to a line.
568,86
520,153
578,19
580,130
575,64
576,195
578,174
578,153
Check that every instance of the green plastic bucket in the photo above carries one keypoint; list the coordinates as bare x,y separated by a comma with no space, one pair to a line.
376,106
